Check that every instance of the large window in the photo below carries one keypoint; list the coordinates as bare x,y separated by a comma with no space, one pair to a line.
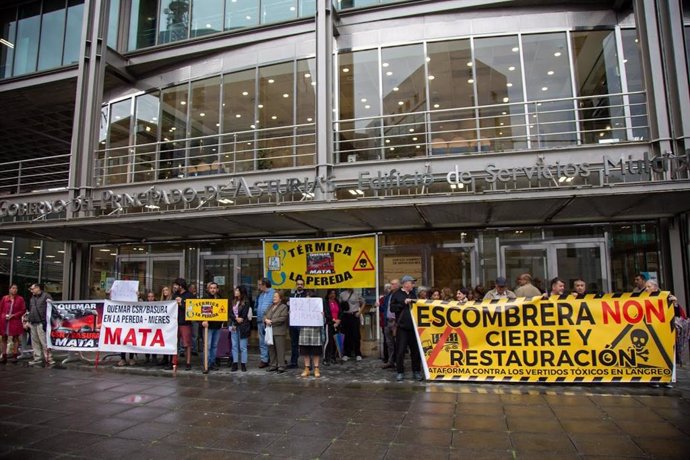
146,135
239,120
359,129
40,36
305,111
634,78
204,117
549,89
143,24
275,116
173,157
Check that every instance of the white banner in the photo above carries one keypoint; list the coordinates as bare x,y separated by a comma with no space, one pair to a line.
139,327
306,311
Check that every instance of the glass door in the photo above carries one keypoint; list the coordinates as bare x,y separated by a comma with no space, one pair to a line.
454,265
220,270
152,271
250,272
566,259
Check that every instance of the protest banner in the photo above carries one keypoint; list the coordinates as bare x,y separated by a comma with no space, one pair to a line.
74,325
611,338
206,310
306,311
322,263
139,327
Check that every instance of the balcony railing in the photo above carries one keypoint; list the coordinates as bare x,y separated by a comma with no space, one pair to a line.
34,174
535,125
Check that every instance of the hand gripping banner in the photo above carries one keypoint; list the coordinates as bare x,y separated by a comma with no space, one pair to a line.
610,338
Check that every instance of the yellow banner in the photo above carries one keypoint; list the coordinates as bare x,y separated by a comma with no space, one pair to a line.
322,263
206,310
613,338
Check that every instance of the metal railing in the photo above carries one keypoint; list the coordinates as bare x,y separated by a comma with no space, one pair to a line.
229,153
34,174
534,125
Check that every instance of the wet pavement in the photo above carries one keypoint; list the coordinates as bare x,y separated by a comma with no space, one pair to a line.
354,411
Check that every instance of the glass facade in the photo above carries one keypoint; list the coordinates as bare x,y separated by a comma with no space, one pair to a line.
156,22
26,261
39,36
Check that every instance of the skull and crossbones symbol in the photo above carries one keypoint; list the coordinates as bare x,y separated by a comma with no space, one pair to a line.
639,341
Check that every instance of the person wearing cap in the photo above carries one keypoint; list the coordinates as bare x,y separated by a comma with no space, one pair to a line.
184,327
401,302
525,287
500,291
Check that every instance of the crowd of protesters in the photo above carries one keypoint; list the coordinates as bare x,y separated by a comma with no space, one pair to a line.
342,315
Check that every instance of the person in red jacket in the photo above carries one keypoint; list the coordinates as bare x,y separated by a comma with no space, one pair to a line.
12,308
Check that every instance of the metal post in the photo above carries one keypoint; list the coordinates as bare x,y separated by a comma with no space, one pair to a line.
324,95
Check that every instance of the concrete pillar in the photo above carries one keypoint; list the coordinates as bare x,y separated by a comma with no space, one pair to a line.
324,94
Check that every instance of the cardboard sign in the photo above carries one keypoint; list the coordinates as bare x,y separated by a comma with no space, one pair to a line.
306,311
206,310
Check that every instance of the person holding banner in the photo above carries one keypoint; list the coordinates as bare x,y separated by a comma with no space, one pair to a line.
295,335
12,308
401,304
351,306
240,328
166,294
184,327
276,317
214,327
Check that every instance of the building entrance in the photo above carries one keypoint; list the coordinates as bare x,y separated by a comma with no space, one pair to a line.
568,259
152,271
230,270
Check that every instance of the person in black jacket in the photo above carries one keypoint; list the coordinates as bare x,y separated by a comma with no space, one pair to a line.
212,292
184,327
400,304
240,328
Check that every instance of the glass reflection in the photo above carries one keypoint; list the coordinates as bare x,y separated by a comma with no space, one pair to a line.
632,61
204,115
275,116
305,138
358,134
451,90
498,76
53,33
26,47
596,75
173,161
241,13
146,135
174,21
118,160
547,77
239,105
404,93
207,17
8,28
143,23
278,10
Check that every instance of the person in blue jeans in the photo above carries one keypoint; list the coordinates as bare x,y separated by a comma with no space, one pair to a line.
213,292
240,328
263,301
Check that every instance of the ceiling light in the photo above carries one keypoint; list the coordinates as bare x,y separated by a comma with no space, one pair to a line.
504,113
364,99
544,88
470,81
286,95
469,64
388,141
61,251
309,119
391,149
252,126
411,130
431,77
245,93
8,241
208,26
367,106
148,128
292,8
505,99
249,18
414,138
353,192
502,123
152,206
436,106
183,102
6,43
270,80
202,114
395,88
550,72
261,106
385,64
313,83
401,103
515,49
557,54
511,68
562,179
238,115
509,85
225,201
217,124
346,69
173,128
274,117
307,75
389,73
428,59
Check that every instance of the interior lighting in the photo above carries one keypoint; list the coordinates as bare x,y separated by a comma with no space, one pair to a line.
183,102
286,95
428,59
245,93
367,106
511,68
346,69
414,138
469,64
470,80
208,26
270,80
148,128
395,88
544,88
353,192
61,251
504,113
225,201
389,73
239,115
217,125
364,99
436,106
557,54
509,85
6,43
292,8
431,77
104,250
411,130
313,83
274,117
307,75
261,106
418,146
562,179
249,18
310,119
202,114
8,241
550,72
515,49
152,206
505,99
392,149
385,64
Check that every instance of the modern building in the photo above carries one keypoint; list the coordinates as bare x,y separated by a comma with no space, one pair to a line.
147,139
